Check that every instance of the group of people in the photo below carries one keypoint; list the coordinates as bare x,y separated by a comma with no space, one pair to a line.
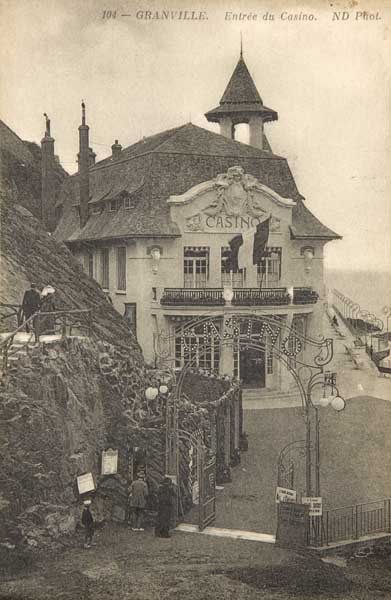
138,496
35,301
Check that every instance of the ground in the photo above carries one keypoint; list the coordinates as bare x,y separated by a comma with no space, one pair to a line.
128,565
138,566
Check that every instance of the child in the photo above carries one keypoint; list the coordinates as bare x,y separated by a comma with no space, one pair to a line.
88,523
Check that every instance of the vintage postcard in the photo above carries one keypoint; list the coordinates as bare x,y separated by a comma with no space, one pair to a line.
195,299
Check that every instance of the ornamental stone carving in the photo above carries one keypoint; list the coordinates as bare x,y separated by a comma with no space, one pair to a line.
235,195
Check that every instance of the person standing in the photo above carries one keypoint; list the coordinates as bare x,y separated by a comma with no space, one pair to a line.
166,505
88,523
47,323
138,501
30,304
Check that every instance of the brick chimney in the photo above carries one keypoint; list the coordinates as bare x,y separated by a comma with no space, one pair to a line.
47,185
116,149
84,164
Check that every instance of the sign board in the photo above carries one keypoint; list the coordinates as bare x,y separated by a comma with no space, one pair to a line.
109,462
285,495
315,505
85,483
292,525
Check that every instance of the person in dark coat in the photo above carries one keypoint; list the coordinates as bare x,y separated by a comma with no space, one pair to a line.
87,521
166,506
30,304
138,501
47,323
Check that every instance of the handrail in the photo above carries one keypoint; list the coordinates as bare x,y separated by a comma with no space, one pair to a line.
354,521
34,321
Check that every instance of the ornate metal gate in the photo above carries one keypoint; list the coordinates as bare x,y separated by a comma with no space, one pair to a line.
207,495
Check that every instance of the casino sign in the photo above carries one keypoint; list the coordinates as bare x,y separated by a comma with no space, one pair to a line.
233,201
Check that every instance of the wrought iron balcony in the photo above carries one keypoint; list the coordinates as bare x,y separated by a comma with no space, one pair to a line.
241,297
257,297
304,295
192,296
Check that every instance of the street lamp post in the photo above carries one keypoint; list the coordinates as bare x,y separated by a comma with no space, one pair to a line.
327,381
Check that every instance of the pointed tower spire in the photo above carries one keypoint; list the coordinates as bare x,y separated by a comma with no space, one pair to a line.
241,103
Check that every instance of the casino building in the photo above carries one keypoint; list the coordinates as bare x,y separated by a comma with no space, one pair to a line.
152,224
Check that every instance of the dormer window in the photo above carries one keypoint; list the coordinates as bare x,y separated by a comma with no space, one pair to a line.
127,204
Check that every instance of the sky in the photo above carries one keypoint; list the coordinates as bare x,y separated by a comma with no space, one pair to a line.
329,80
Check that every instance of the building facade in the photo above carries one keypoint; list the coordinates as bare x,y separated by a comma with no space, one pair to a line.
153,224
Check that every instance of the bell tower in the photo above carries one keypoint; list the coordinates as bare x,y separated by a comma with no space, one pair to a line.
241,103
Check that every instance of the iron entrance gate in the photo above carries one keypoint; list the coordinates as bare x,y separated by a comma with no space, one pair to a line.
207,497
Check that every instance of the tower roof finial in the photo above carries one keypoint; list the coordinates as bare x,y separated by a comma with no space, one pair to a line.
47,131
241,45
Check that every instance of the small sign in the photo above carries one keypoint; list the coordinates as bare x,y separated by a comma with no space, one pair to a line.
285,495
315,505
109,462
85,483
292,525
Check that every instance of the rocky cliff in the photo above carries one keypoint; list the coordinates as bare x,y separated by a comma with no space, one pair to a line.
63,404
28,253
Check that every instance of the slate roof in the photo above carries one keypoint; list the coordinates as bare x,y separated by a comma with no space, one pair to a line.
171,162
241,96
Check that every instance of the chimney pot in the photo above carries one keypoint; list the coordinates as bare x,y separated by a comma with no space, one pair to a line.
116,149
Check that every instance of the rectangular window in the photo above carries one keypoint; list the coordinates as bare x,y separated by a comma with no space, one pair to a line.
269,269
96,208
121,269
113,205
89,264
196,351
104,268
229,278
127,204
195,267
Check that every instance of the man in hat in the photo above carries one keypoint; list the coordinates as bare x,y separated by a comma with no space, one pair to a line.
88,523
30,304
138,500
166,506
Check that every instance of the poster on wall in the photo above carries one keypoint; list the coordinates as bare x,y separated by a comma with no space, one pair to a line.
85,483
109,462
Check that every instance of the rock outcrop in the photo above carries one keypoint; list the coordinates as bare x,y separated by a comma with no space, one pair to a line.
28,253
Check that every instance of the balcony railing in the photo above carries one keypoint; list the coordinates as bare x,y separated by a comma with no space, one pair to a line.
304,295
192,297
241,297
257,297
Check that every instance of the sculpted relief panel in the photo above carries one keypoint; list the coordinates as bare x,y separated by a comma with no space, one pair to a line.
238,202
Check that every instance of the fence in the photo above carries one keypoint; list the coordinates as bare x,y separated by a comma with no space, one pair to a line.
351,522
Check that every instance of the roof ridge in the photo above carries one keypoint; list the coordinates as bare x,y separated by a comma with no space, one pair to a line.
219,135
174,132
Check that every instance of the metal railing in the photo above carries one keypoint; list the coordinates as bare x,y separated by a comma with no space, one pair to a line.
304,295
258,297
351,522
10,312
241,296
62,322
192,296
